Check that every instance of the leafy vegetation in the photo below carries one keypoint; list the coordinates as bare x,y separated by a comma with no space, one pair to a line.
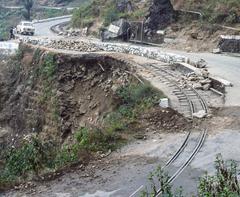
28,5
135,99
224,183
215,11
34,156
85,15
104,11
7,19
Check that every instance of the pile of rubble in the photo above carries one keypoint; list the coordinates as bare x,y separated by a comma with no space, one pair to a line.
74,32
76,45
199,82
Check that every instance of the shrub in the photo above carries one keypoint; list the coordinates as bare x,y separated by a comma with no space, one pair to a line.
95,139
85,15
31,156
138,94
134,99
110,15
225,183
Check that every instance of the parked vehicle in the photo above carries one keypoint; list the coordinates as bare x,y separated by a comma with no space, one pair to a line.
26,28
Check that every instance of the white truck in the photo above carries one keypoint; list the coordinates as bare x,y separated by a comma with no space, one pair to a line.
25,27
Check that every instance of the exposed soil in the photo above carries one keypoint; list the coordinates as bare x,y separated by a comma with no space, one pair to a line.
166,120
82,92
224,118
195,37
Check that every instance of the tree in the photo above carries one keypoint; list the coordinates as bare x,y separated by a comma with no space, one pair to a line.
28,5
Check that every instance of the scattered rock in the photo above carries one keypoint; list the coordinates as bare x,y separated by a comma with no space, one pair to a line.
217,51
200,114
205,81
201,63
206,87
197,86
194,35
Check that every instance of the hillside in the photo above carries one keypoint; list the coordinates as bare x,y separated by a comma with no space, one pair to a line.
188,29
213,11
45,2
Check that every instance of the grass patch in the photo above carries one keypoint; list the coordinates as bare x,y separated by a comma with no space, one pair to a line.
36,157
135,99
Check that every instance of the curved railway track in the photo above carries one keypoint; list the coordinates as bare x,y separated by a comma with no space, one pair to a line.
191,102
189,99
193,148
185,155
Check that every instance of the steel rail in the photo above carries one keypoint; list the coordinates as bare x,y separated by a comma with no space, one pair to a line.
189,160
201,100
178,152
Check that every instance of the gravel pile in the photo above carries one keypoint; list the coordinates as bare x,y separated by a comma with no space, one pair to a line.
200,82
75,45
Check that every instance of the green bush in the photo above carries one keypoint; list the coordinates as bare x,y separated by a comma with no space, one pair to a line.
85,15
138,94
48,68
95,139
110,15
225,183
134,99
31,156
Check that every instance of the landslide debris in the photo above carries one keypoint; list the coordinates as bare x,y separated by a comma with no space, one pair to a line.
61,110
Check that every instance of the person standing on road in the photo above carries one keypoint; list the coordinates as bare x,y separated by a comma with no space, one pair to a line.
11,36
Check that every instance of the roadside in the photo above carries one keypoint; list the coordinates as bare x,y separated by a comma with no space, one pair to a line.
124,171
128,168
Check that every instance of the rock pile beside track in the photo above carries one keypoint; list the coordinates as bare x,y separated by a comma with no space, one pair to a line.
201,82
76,45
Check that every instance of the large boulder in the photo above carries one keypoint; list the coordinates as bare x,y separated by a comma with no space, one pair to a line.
124,6
159,17
119,29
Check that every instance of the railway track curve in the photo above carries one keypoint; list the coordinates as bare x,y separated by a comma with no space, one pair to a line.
189,99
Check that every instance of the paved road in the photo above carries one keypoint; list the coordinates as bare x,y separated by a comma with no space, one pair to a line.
224,66
43,28
221,65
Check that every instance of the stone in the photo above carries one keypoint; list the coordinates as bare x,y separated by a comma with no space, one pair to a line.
205,73
205,81
200,114
229,43
124,6
193,78
201,63
194,35
197,86
206,87
159,17
164,103
117,30
217,51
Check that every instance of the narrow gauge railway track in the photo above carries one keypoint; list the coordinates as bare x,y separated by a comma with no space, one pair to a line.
194,147
190,100
185,155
